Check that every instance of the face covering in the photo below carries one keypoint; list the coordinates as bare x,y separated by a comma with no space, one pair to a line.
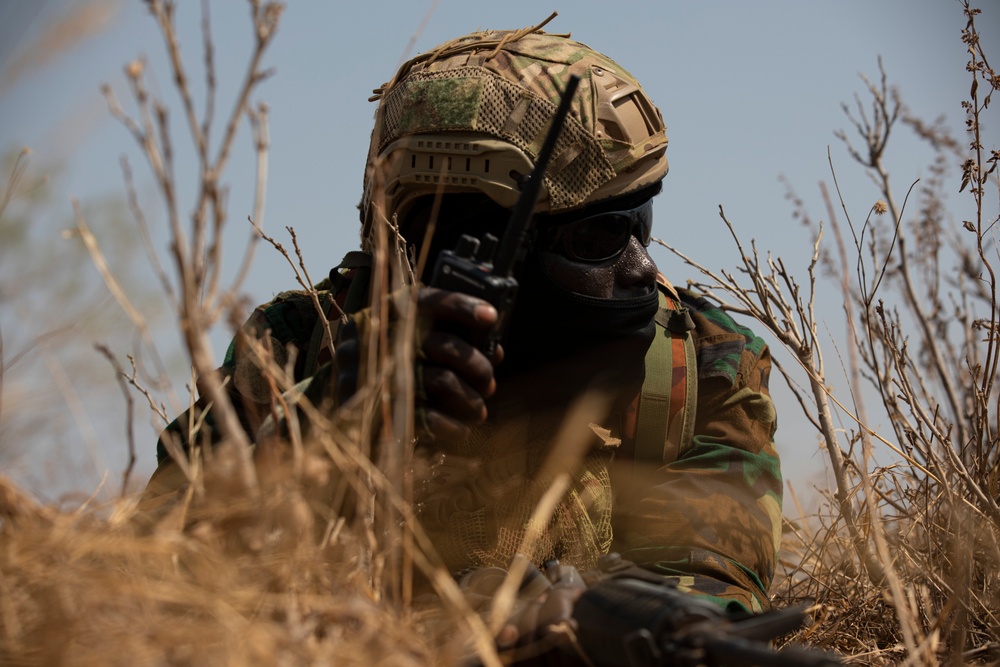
550,322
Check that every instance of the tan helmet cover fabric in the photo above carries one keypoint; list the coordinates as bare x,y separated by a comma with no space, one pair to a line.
471,116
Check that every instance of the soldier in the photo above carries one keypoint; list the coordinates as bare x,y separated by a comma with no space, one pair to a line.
677,470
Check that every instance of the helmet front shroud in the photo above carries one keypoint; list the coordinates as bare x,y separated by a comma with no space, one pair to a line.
471,116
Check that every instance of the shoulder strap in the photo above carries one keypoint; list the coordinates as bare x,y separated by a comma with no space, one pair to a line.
668,399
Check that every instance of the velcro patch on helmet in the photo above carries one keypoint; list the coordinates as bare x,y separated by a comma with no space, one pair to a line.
439,104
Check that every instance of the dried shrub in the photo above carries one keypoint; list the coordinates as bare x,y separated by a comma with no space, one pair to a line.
901,564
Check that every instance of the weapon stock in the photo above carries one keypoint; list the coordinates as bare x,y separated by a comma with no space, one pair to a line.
633,618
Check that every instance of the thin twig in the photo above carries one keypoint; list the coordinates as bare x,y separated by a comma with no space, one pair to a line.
129,416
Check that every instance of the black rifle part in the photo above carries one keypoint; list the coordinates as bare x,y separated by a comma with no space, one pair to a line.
630,617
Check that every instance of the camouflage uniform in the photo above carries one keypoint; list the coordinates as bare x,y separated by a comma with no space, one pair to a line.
710,517
470,116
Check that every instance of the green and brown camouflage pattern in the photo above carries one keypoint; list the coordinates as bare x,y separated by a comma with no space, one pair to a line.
710,518
713,516
291,328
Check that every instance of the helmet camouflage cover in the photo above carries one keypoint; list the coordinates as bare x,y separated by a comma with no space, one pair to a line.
471,116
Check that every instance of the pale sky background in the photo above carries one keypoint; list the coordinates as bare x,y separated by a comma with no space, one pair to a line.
750,92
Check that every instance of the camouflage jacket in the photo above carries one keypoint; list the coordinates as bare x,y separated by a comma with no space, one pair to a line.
710,518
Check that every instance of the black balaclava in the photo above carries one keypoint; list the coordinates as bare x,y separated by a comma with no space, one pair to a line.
550,322
562,344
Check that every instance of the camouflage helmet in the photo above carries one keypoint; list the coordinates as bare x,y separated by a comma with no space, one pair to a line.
471,115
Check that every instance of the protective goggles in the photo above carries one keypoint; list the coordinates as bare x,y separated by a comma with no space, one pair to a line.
599,237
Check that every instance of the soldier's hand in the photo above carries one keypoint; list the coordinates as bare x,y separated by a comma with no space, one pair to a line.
455,377
544,624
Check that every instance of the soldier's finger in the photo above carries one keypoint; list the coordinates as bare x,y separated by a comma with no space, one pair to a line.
467,361
456,307
557,608
448,393
507,637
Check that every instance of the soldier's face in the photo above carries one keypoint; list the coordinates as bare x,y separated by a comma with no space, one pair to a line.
630,274
611,231
600,251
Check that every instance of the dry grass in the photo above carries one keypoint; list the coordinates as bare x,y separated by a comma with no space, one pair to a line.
233,582
903,561
309,553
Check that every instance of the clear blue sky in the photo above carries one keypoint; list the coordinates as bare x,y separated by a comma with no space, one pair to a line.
750,91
